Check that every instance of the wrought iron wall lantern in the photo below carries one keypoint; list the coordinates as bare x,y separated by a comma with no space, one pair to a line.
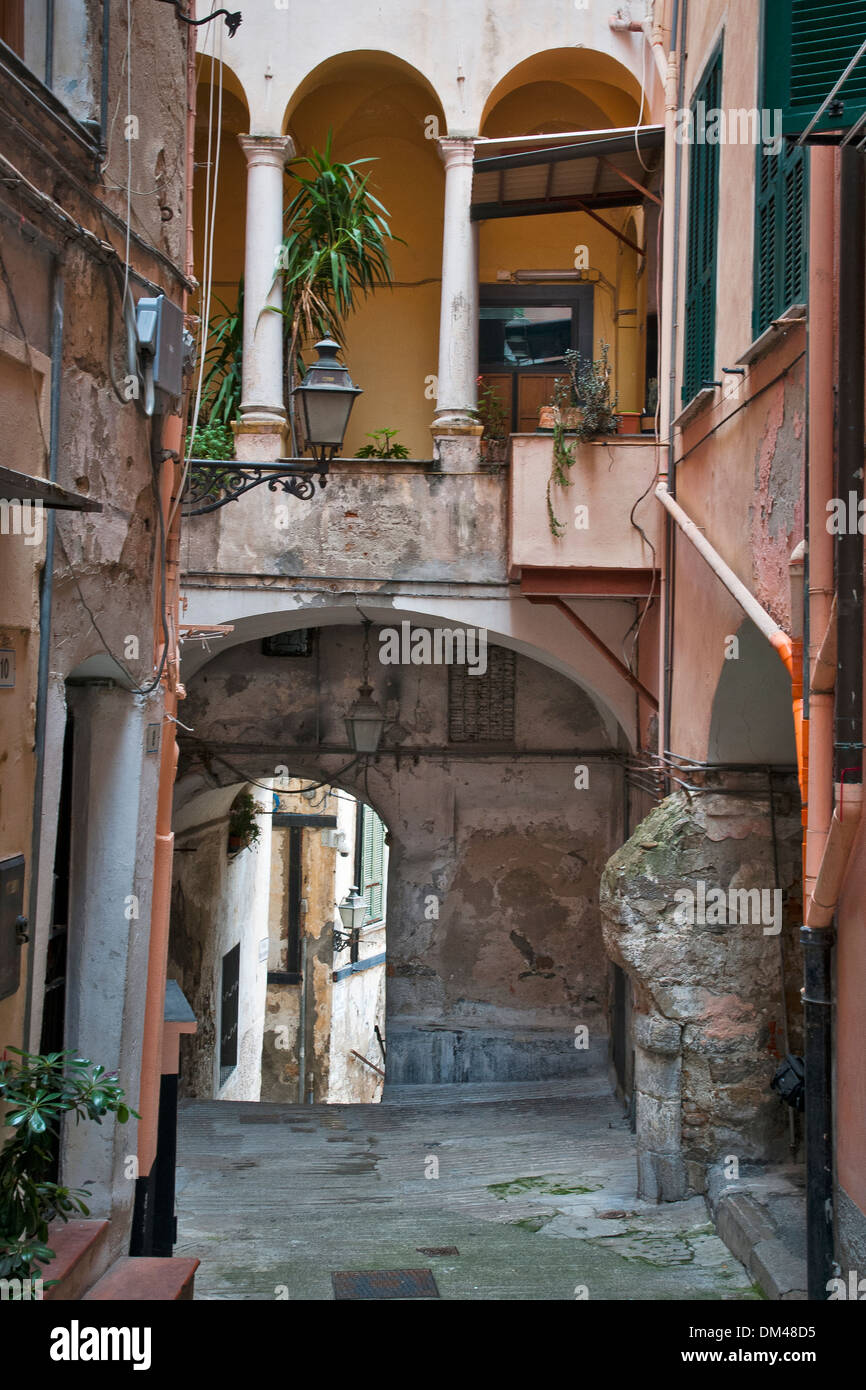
353,911
326,397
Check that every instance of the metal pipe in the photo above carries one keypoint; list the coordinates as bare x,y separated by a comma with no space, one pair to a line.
49,42
820,446
46,596
103,101
817,1053
765,624
848,733
679,30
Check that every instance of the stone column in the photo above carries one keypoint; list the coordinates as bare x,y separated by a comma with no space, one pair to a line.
455,428
262,430
657,1084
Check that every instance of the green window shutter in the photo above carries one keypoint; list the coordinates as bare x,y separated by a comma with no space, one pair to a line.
701,267
372,863
781,223
795,230
807,46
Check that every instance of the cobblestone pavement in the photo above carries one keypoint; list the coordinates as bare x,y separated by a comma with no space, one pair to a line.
532,1184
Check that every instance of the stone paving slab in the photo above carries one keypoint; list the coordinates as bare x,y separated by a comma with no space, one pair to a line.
533,1183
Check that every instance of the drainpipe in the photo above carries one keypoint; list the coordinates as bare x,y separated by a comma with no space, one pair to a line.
817,935
775,635
152,1039
788,648
668,474
46,595
821,440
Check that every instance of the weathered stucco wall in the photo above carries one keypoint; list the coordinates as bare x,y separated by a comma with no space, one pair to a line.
494,946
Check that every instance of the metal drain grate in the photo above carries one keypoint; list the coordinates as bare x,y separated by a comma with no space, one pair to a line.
437,1250
384,1283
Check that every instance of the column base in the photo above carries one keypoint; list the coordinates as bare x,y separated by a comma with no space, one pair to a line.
260,441
457,451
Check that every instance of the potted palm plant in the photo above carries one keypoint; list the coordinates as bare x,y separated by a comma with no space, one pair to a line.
336,250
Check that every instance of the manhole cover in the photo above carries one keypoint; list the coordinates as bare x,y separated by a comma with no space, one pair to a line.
384,1283
437,1250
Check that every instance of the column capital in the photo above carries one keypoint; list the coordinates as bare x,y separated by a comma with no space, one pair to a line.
455,150
267,149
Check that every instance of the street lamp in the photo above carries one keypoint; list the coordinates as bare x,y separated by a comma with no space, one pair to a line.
365,720
352,910
326,397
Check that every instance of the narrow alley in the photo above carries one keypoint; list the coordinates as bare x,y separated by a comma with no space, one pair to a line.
506,1192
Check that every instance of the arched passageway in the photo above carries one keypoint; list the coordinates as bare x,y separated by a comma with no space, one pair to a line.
502,792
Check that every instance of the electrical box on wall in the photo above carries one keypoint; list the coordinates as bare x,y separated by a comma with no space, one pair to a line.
160,340
12,923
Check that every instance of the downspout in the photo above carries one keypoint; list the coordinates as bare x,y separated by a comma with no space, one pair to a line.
788,648
775,635
170,477
46,596
817,935
679,29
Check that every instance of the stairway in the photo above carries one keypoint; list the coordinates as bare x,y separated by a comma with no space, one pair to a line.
84,1270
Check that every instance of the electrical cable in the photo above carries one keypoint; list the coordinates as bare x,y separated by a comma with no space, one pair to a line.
211,188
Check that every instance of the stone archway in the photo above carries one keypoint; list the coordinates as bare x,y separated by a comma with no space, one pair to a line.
495,954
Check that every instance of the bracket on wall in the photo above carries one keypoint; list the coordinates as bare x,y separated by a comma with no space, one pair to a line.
233,18
213,484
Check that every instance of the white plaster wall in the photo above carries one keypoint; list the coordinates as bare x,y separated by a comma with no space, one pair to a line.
358,1001
462,50
218,901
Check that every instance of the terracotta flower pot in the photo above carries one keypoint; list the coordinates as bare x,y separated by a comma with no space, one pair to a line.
629,422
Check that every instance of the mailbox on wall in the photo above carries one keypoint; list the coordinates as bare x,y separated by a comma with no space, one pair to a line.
13,924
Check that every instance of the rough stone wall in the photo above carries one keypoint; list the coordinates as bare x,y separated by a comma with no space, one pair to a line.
709,1023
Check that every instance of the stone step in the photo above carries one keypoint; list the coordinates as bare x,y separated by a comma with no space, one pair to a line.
146,1278
80,1257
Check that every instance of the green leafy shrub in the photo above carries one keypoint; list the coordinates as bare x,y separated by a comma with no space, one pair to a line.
38,1091
212,441
382,448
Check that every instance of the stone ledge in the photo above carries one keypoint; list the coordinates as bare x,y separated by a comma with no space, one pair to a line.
745,1221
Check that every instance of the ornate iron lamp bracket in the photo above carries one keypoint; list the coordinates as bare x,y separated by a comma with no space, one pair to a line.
214,483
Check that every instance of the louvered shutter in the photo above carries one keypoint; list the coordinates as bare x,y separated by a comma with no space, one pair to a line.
807,46
701,266
373,863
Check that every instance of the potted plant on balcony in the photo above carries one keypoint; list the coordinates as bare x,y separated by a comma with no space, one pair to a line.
492,414
383,447
582,406
335,252
244,829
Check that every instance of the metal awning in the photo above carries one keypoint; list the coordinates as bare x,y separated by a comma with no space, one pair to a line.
22,487
601,169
